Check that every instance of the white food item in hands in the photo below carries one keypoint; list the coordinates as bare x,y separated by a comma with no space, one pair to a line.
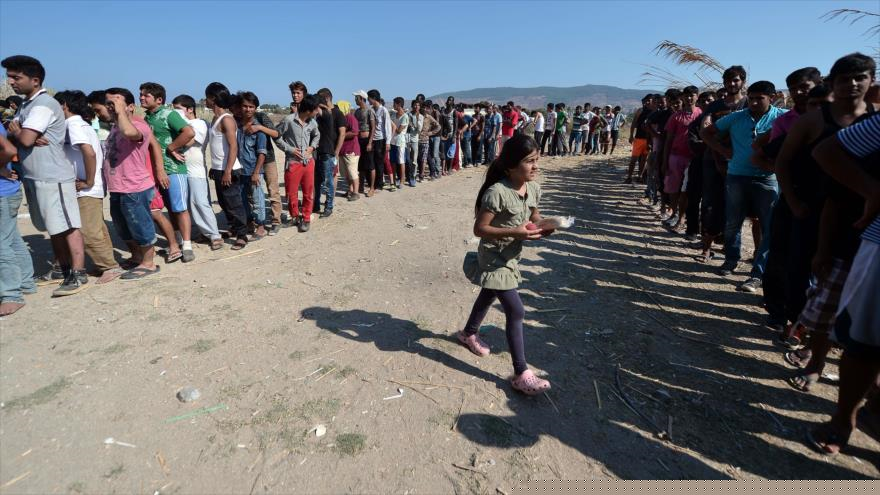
553,223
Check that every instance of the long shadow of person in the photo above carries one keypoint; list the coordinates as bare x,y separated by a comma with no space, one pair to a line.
392,334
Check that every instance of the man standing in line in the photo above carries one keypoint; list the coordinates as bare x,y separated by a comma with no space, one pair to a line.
331,124
416,121
48,176
381,143
549,130
173,133
366,119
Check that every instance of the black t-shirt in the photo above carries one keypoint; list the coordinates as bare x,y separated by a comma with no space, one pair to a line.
658,118
328,125
641,133
265,121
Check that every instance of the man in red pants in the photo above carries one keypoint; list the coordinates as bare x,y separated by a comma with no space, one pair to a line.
298,139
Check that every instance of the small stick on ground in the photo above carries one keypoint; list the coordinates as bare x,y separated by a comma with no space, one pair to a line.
551,402
431,385
327,373
669,427
664,465
643,394
255,251
468,468
416,391
457,417
322,357
598,398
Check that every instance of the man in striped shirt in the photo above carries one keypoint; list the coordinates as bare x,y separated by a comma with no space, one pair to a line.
850,157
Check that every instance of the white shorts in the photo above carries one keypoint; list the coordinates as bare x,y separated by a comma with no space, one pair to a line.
52,205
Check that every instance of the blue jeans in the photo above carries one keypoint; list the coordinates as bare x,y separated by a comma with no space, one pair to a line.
131,217
324,181
466,150
748,196
16,267
574,141
489,144
254,199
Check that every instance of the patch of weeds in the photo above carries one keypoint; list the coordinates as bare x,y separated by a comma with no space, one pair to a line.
350,444
76,487
500,434
115,348
323,408
444,418
291,439
201,346
116,471
347,371
235,392
40,396
296,355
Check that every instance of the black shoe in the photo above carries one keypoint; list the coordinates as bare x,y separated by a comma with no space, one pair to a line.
75,282
304,226
296,221
273,229
751,285
727,269
54,276
326,213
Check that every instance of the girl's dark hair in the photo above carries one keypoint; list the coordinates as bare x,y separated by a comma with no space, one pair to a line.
77,103
515,150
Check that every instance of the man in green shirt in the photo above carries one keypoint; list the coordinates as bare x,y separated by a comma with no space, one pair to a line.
173,133
561,129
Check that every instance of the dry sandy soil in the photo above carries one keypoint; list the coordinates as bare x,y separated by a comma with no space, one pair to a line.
302,330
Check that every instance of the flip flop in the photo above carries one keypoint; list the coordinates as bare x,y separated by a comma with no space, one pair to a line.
171,258
138,273
826,441
802,382
110,275
795,359
128,265
239,245
217,244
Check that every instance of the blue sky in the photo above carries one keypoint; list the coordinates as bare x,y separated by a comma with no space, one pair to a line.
408,47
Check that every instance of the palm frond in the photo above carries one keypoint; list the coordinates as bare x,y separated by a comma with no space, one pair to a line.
688,55
854,16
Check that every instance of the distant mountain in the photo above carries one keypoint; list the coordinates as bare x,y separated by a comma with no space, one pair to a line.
538,97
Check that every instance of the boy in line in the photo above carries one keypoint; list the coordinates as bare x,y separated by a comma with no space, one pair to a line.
173,133
299,138
252,155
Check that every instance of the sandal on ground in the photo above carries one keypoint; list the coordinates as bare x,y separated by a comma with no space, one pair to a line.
474,343
138,273
128,264
826,440
705,257
239,245
802,382
529,384
217,244
110,275
172,257
798,359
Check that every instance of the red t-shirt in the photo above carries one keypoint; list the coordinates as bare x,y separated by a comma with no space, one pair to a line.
351,146
511,118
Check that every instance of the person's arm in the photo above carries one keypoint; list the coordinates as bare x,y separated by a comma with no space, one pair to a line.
27,133
794,141
123,121
759,158
158,163
667,150
821,263
387,129
340,128
350,132
313,142
228,128
711,136
484,229
90,164
185,135
632,128
262,144
842,167
265,126
7,151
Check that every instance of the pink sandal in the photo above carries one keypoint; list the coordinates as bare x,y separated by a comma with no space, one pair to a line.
474,343
529,384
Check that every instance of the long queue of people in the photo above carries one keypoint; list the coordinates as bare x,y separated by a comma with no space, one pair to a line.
72,149
807,178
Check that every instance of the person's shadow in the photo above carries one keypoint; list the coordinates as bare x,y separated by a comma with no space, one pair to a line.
390,334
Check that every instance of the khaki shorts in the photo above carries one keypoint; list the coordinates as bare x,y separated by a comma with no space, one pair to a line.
350,166
52,205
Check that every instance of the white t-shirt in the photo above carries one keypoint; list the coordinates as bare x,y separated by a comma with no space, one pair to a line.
588,118
539,122
80,132
195,154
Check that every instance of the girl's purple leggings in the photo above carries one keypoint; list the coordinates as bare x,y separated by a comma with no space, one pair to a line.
513,311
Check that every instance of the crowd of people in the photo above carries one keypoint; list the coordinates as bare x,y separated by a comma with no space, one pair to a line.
806,178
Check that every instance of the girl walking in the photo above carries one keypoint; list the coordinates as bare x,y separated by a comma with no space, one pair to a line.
506,206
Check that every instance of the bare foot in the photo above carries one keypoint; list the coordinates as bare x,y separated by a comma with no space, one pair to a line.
8,308
110,275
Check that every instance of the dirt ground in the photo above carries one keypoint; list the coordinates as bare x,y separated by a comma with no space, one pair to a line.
302,330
